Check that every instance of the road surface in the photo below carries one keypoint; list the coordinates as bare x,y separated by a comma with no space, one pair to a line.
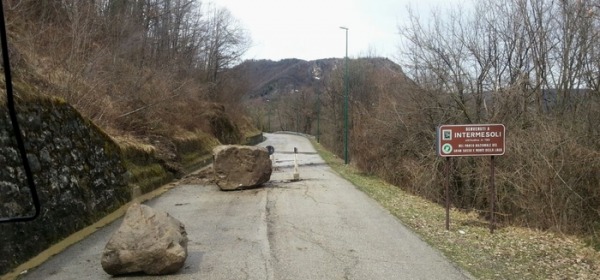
320,227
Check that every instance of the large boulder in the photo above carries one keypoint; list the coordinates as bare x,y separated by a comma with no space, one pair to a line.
241,167
148,241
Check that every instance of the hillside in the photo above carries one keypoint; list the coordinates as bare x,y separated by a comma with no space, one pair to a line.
95,80
269,79
148,87
306,96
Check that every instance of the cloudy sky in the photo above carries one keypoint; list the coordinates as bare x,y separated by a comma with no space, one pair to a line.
310,29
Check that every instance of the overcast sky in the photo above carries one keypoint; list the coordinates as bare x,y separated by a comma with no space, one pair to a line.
310,29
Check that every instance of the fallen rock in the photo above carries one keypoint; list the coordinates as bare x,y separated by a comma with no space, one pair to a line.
241,167
148,241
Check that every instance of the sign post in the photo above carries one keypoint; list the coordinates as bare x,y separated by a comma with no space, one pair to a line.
447,191
492,197
467,141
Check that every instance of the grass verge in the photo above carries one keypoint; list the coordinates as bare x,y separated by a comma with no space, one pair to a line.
509,253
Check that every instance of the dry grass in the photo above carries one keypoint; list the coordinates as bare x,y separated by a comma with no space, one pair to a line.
128,142
509,253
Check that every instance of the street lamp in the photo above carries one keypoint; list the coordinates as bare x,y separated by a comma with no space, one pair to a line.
346,100
298,115
269,115
318,116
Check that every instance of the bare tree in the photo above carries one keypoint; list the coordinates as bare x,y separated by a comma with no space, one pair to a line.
533,65
227,42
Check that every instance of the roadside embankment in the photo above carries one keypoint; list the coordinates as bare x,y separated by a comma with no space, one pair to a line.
82,174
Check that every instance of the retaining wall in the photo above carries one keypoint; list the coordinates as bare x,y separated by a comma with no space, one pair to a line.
78,171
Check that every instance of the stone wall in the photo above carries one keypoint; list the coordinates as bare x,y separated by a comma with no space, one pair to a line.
78,171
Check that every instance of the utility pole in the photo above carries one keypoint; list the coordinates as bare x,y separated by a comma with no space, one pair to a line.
269,104
346,100
318,116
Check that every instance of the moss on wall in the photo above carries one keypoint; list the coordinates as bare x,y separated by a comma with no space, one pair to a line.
78,170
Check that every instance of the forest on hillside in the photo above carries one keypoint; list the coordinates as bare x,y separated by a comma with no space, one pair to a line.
134,67
151,74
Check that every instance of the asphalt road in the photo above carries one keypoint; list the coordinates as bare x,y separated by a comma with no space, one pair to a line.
320,227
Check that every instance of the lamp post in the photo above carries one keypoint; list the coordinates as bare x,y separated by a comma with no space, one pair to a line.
318,116
346,100
269,115
298,118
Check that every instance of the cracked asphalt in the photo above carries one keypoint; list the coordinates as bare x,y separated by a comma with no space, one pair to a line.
320,227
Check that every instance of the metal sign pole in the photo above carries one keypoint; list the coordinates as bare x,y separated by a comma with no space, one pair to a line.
492,197
447,169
